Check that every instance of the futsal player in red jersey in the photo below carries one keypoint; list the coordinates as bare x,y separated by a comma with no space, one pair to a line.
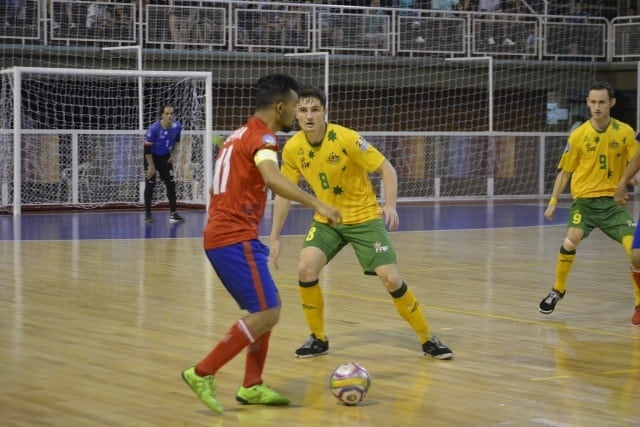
247,163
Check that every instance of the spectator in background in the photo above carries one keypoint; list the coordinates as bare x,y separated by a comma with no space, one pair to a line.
13,11
182,20
99,21
331,31
404,4
296,27
466,6
271,31
412,30
630,44
123,19
376,33
576,31
62,15
446,6
157,22
495,32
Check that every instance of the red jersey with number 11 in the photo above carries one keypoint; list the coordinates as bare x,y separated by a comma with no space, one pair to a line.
238,193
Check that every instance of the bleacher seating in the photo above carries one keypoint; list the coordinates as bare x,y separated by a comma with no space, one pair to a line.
255,26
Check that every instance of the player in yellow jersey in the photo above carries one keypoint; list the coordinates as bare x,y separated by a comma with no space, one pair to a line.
336,163
595,159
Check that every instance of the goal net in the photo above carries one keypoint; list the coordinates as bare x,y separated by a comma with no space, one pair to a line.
74,137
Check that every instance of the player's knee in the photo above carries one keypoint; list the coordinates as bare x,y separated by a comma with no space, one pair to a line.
635,260
274,317
389,276
263,321
307,274
568,247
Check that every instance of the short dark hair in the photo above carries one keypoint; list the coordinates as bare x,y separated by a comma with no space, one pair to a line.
602,85
314,92
274,88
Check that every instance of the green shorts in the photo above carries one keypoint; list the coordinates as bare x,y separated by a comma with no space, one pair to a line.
601,212
370,240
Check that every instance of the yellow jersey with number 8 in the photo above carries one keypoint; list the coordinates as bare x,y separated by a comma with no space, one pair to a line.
337,170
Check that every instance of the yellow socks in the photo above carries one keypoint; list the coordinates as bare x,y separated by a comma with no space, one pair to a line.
563,267
409,309
313,306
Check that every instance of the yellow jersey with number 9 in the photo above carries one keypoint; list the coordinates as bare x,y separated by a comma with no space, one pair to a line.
597,159
337,170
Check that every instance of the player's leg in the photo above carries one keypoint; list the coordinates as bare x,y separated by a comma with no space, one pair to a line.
578,227
376,255
618,224
235,265
149,185
321,244
635,272
261,322
633,248
165,171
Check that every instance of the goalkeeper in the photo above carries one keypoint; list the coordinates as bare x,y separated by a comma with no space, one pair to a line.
159,143
336,163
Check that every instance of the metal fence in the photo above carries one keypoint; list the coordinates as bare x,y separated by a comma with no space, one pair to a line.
304,27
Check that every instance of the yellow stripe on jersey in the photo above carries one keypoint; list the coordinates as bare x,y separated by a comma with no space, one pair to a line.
597,159
337,170
265,154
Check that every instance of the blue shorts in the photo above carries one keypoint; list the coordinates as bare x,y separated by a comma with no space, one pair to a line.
243,269
636,238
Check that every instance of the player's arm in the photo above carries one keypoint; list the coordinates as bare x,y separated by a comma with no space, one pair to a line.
280,211
176,141
281,205
267,162
630,172
390,182
562,179
151,169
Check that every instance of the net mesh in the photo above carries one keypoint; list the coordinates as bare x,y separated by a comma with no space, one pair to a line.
81,138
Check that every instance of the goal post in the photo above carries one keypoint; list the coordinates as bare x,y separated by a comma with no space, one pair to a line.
72,138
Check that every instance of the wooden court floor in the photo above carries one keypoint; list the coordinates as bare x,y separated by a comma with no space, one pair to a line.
96,333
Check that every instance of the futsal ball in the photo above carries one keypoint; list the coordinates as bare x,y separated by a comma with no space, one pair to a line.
349,383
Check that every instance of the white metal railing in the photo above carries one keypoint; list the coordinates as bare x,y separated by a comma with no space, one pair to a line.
625,37
303,27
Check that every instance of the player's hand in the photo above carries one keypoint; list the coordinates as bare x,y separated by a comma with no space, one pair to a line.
621,196
274,251
148,174
390,217
332,214
550,211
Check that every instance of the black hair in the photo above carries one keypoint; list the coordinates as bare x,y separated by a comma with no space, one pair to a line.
314,92
602,85
274,88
